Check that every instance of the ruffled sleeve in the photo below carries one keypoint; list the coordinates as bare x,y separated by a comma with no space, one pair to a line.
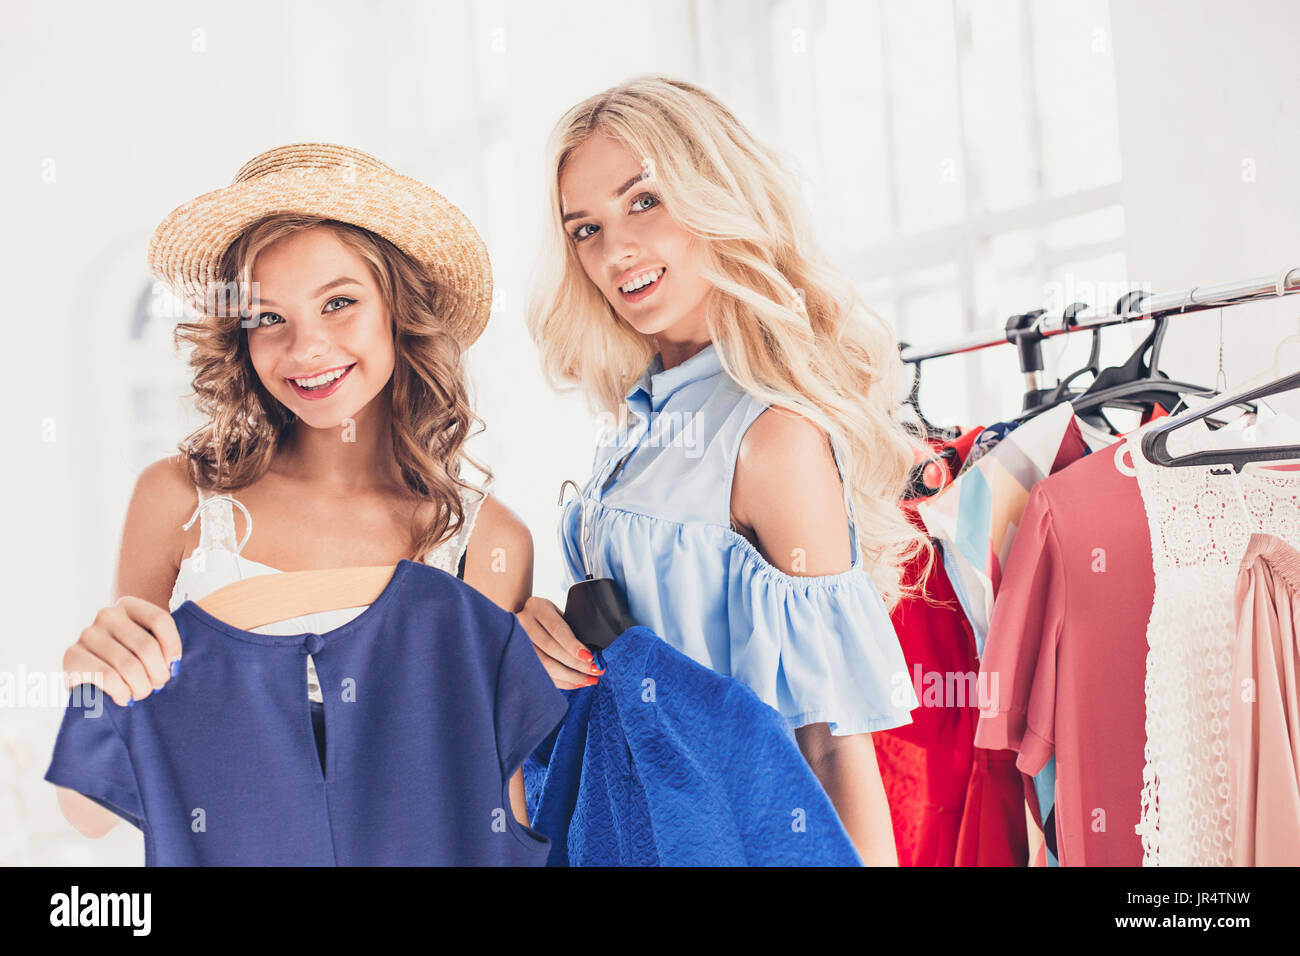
818,648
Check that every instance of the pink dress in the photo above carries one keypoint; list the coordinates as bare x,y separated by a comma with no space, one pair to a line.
1264,715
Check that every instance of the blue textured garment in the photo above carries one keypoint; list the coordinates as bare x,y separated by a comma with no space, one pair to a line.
433,697
817,648
666,763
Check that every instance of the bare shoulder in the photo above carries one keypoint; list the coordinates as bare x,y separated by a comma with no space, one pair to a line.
499,555
779,431
153,539
787,497
783,457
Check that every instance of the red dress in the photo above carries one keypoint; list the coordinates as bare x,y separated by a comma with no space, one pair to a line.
926,765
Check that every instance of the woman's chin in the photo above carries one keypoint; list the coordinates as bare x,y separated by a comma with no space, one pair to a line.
646,325
314,415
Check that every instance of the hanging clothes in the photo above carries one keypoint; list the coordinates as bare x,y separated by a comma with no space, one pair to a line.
1067,645
433,698
666,763
1264,724
976,520
926,765
1200,523
986,441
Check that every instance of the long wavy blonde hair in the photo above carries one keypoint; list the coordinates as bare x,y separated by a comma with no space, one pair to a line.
428,393
789,328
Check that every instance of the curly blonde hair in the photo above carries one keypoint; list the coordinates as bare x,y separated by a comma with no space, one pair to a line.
789,328
428,393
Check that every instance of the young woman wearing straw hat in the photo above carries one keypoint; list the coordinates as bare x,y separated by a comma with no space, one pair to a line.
337,298
684,287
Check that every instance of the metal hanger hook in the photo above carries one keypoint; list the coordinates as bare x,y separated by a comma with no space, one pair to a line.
564,484
582,523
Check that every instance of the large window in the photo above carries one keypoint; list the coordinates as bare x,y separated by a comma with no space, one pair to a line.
961,159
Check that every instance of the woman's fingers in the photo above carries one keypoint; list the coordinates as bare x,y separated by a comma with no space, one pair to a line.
561,653
160,625
80,666
565,678
125,651
570,650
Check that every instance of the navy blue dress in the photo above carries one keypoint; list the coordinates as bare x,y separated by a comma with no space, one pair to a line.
435,696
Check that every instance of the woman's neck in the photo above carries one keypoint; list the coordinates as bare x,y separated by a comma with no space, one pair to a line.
353,457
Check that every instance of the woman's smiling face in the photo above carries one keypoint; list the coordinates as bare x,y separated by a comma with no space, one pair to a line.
317,310
622,233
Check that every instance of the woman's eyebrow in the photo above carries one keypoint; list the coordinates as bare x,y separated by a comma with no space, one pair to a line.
614,195
342,280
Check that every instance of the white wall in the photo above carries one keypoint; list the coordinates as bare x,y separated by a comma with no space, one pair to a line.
1210,141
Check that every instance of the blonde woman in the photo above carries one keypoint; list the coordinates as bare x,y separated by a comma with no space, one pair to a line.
746,497
337,299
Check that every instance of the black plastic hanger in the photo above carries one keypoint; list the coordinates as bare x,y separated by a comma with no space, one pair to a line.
1069,318
1137,383
1062,391
1155,442
914,402
595,608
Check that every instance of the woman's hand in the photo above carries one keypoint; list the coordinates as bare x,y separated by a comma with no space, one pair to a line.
561,653
125,651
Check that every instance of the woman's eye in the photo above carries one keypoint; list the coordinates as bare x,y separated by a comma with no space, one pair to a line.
338,298
259,320
650,198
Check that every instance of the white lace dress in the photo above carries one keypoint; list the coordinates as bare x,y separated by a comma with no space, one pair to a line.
217,562
1200,525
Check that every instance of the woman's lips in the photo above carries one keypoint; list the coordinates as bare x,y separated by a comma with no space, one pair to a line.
646,290
313,394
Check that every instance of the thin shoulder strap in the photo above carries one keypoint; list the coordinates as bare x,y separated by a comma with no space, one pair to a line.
751,408
855,540
217,522
472,502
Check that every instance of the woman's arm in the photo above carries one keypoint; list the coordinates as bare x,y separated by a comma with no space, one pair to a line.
787,498
148,561
848,771
499,565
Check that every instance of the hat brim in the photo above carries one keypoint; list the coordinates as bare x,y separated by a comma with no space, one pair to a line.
188,245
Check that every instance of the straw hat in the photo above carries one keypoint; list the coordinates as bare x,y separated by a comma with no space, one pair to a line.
338,183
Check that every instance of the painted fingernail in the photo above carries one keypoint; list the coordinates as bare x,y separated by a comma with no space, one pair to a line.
597,670
156,689
131,702
586,655
176,666
590,681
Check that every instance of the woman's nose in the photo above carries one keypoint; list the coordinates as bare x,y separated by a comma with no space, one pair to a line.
308,340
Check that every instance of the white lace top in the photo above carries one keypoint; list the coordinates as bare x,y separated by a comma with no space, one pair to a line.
1200,524
217,561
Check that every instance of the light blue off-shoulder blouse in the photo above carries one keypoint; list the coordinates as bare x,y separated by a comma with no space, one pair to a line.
817,648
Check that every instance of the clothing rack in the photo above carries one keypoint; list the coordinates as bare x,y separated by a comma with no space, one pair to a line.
1028,331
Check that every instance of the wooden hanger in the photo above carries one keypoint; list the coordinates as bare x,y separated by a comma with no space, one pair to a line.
267,598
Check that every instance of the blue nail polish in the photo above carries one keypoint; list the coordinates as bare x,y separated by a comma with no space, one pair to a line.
156,689
176,666
131,702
